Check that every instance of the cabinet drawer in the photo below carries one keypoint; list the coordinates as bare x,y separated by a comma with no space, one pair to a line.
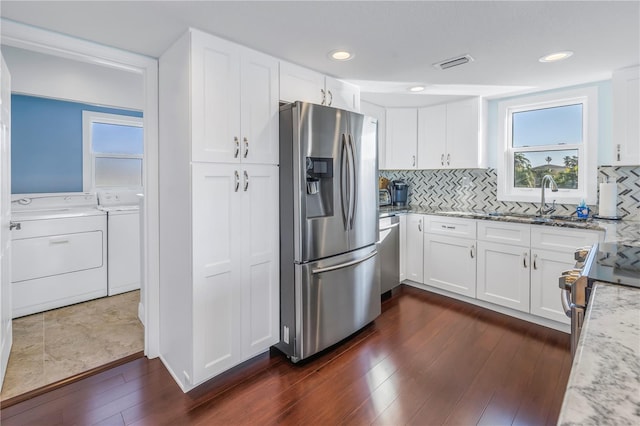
506,233
442,225
56,254
554,238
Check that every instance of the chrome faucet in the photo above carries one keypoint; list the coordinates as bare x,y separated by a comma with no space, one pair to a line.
544,210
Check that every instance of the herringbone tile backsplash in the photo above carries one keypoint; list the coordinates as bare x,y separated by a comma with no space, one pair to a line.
477,189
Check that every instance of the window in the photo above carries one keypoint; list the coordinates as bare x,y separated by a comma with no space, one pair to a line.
552,134
112,151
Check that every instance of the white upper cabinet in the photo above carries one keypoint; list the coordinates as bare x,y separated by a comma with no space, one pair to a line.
234,102
380,114
626,110
401,139
302,84
450,136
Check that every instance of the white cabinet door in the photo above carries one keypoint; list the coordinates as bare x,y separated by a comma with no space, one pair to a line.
450,263
403,247
546,267
215,99
260,265
217,272
378,113
626,110
340,94
432,137
301,84
503,275
463,135
6,327
450,136
402,138
414,251
259,106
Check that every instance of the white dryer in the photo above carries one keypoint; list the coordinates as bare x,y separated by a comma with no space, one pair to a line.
59,251
123,239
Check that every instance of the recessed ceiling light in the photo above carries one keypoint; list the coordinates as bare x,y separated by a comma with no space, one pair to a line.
416,88
341,55
557,56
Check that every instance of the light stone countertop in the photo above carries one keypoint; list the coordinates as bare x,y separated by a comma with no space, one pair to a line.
604,385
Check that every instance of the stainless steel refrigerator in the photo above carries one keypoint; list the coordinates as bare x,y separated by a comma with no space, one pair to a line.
329,272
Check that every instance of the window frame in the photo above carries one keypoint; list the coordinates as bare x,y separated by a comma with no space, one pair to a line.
587,150
89,156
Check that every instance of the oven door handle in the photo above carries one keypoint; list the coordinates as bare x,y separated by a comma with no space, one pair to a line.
565,296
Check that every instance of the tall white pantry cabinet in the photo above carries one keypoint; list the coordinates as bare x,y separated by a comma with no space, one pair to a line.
219,236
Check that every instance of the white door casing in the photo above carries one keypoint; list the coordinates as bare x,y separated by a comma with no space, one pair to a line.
47,42
6,331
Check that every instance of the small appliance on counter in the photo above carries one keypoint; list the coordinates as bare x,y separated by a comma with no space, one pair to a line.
384,197
399,192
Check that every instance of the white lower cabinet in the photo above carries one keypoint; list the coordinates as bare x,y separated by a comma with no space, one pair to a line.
414,254
403,247
503,275
450,264
450,254
552,252
546,267
235,265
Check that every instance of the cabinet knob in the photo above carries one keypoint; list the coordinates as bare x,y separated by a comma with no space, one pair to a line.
14,225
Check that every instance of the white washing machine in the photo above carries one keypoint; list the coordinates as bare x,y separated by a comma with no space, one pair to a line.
123,239
59,251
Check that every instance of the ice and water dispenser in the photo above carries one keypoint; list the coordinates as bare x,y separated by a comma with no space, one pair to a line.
319,180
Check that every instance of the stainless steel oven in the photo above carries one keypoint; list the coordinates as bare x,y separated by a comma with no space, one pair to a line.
613,263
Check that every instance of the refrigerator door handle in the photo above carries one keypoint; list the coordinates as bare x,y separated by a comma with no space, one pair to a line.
344,158
344,265
354,183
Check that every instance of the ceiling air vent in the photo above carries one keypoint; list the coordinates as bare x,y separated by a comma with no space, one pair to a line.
453,62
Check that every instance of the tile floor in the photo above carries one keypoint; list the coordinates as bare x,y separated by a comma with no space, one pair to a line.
57,344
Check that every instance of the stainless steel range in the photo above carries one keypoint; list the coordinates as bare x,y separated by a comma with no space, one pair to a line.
614,263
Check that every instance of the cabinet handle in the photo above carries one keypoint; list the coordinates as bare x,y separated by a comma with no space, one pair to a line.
246,146
237,175
442,159
237,141
471,250
618,152
330,97
524,259
448,159
14,225
535,264
246,181
414,160
324,97
448,227
420,225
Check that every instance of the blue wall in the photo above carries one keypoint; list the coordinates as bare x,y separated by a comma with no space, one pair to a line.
46,143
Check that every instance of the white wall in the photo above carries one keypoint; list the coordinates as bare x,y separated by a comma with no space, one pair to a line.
58,78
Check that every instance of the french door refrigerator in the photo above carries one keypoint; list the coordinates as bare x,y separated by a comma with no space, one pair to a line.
329,272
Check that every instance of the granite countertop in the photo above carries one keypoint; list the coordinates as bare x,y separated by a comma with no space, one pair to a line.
604,385
624,231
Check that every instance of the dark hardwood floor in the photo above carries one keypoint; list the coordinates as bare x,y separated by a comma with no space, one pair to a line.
427,360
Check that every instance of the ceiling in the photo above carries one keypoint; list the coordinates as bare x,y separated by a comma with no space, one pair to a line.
395,42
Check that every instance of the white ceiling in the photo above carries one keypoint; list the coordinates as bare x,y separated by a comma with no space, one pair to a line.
395,42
